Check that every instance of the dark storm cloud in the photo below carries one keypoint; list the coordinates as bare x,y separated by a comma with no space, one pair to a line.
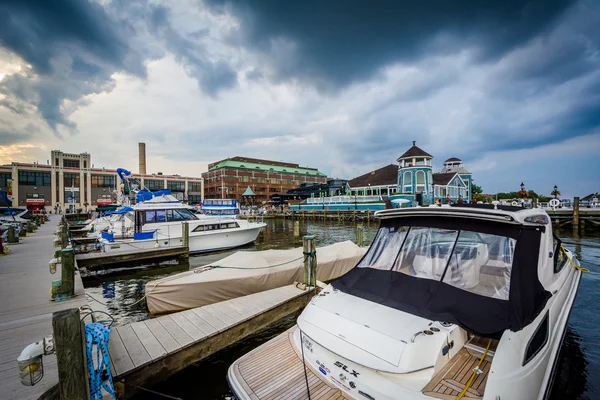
341,42
211,75
73,48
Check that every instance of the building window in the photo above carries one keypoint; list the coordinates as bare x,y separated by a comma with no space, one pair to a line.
71,163
176,186
154,184
71,180
71,196
194,186
34,178
34,195
4,178
194,199
420,176
407,182
109,181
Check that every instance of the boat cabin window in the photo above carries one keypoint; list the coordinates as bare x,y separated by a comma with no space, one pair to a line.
560,258
155,216
477,262
180,215
212,227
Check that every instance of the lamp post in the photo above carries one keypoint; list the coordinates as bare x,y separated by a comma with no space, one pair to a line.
522,186
555,192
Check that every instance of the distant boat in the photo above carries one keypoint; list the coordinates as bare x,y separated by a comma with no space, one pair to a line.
158,222
341,203
219,208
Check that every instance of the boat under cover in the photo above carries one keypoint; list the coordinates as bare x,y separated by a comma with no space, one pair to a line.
244,273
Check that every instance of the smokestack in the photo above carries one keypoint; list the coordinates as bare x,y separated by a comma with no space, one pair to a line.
142,155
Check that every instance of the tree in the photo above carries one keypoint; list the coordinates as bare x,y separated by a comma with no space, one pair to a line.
476,189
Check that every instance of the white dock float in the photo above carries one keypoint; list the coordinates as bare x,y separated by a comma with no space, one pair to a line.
146,352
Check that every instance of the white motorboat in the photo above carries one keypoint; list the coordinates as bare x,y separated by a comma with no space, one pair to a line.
449,302
158,222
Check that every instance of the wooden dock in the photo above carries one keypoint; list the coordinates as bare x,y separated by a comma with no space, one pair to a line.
283,377
146,352
102,259
26,309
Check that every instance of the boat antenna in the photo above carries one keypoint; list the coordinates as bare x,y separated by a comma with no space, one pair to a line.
304,363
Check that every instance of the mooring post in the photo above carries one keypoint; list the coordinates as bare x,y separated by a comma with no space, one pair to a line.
22,230
296,228
185,232
70,356
11,235
359,235
67,263
535,203
576,213
310,260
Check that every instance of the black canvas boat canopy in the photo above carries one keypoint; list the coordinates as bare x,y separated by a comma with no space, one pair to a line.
478,274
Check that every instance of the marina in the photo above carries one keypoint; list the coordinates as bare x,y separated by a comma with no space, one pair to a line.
279,234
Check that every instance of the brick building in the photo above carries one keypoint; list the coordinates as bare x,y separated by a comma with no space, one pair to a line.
229,178
70,181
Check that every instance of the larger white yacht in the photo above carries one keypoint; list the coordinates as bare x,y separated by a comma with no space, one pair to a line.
158,222
449,302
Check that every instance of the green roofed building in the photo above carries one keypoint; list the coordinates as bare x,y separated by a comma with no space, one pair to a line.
231,177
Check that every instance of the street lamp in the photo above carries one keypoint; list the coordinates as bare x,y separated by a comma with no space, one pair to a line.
555,191
522,186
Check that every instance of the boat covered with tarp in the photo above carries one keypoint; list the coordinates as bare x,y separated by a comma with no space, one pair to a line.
244,273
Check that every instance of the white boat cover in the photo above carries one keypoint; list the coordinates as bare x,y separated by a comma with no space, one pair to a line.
202,286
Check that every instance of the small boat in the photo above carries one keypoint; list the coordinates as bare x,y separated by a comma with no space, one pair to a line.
159,222
465,301
223,208
244,273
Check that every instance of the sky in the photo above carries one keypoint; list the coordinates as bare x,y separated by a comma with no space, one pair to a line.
510,87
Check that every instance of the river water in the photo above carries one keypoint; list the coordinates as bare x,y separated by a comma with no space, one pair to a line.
119,293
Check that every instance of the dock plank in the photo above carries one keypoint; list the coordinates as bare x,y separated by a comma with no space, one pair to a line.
200,323
189,328
134,346
137,348
149,341
211,319
175,330
26,309
162,335
118,354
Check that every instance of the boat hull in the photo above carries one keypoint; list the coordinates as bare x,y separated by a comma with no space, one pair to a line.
199,242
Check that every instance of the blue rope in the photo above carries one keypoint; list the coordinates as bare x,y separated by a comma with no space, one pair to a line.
97,334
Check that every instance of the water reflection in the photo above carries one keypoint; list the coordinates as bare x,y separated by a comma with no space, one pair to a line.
570,381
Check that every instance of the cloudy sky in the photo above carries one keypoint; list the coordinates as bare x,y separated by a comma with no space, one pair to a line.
510,87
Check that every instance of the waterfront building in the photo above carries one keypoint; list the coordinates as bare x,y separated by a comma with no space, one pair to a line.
70,181
229,178
333,187
413,179
417,180
382,181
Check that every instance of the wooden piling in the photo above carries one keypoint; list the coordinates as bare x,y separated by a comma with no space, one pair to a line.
310,260
11,235
185,227
22,231
576,213
67,271
296,228
70,356
359,235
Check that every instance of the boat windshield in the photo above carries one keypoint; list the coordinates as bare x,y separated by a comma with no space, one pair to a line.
477,262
